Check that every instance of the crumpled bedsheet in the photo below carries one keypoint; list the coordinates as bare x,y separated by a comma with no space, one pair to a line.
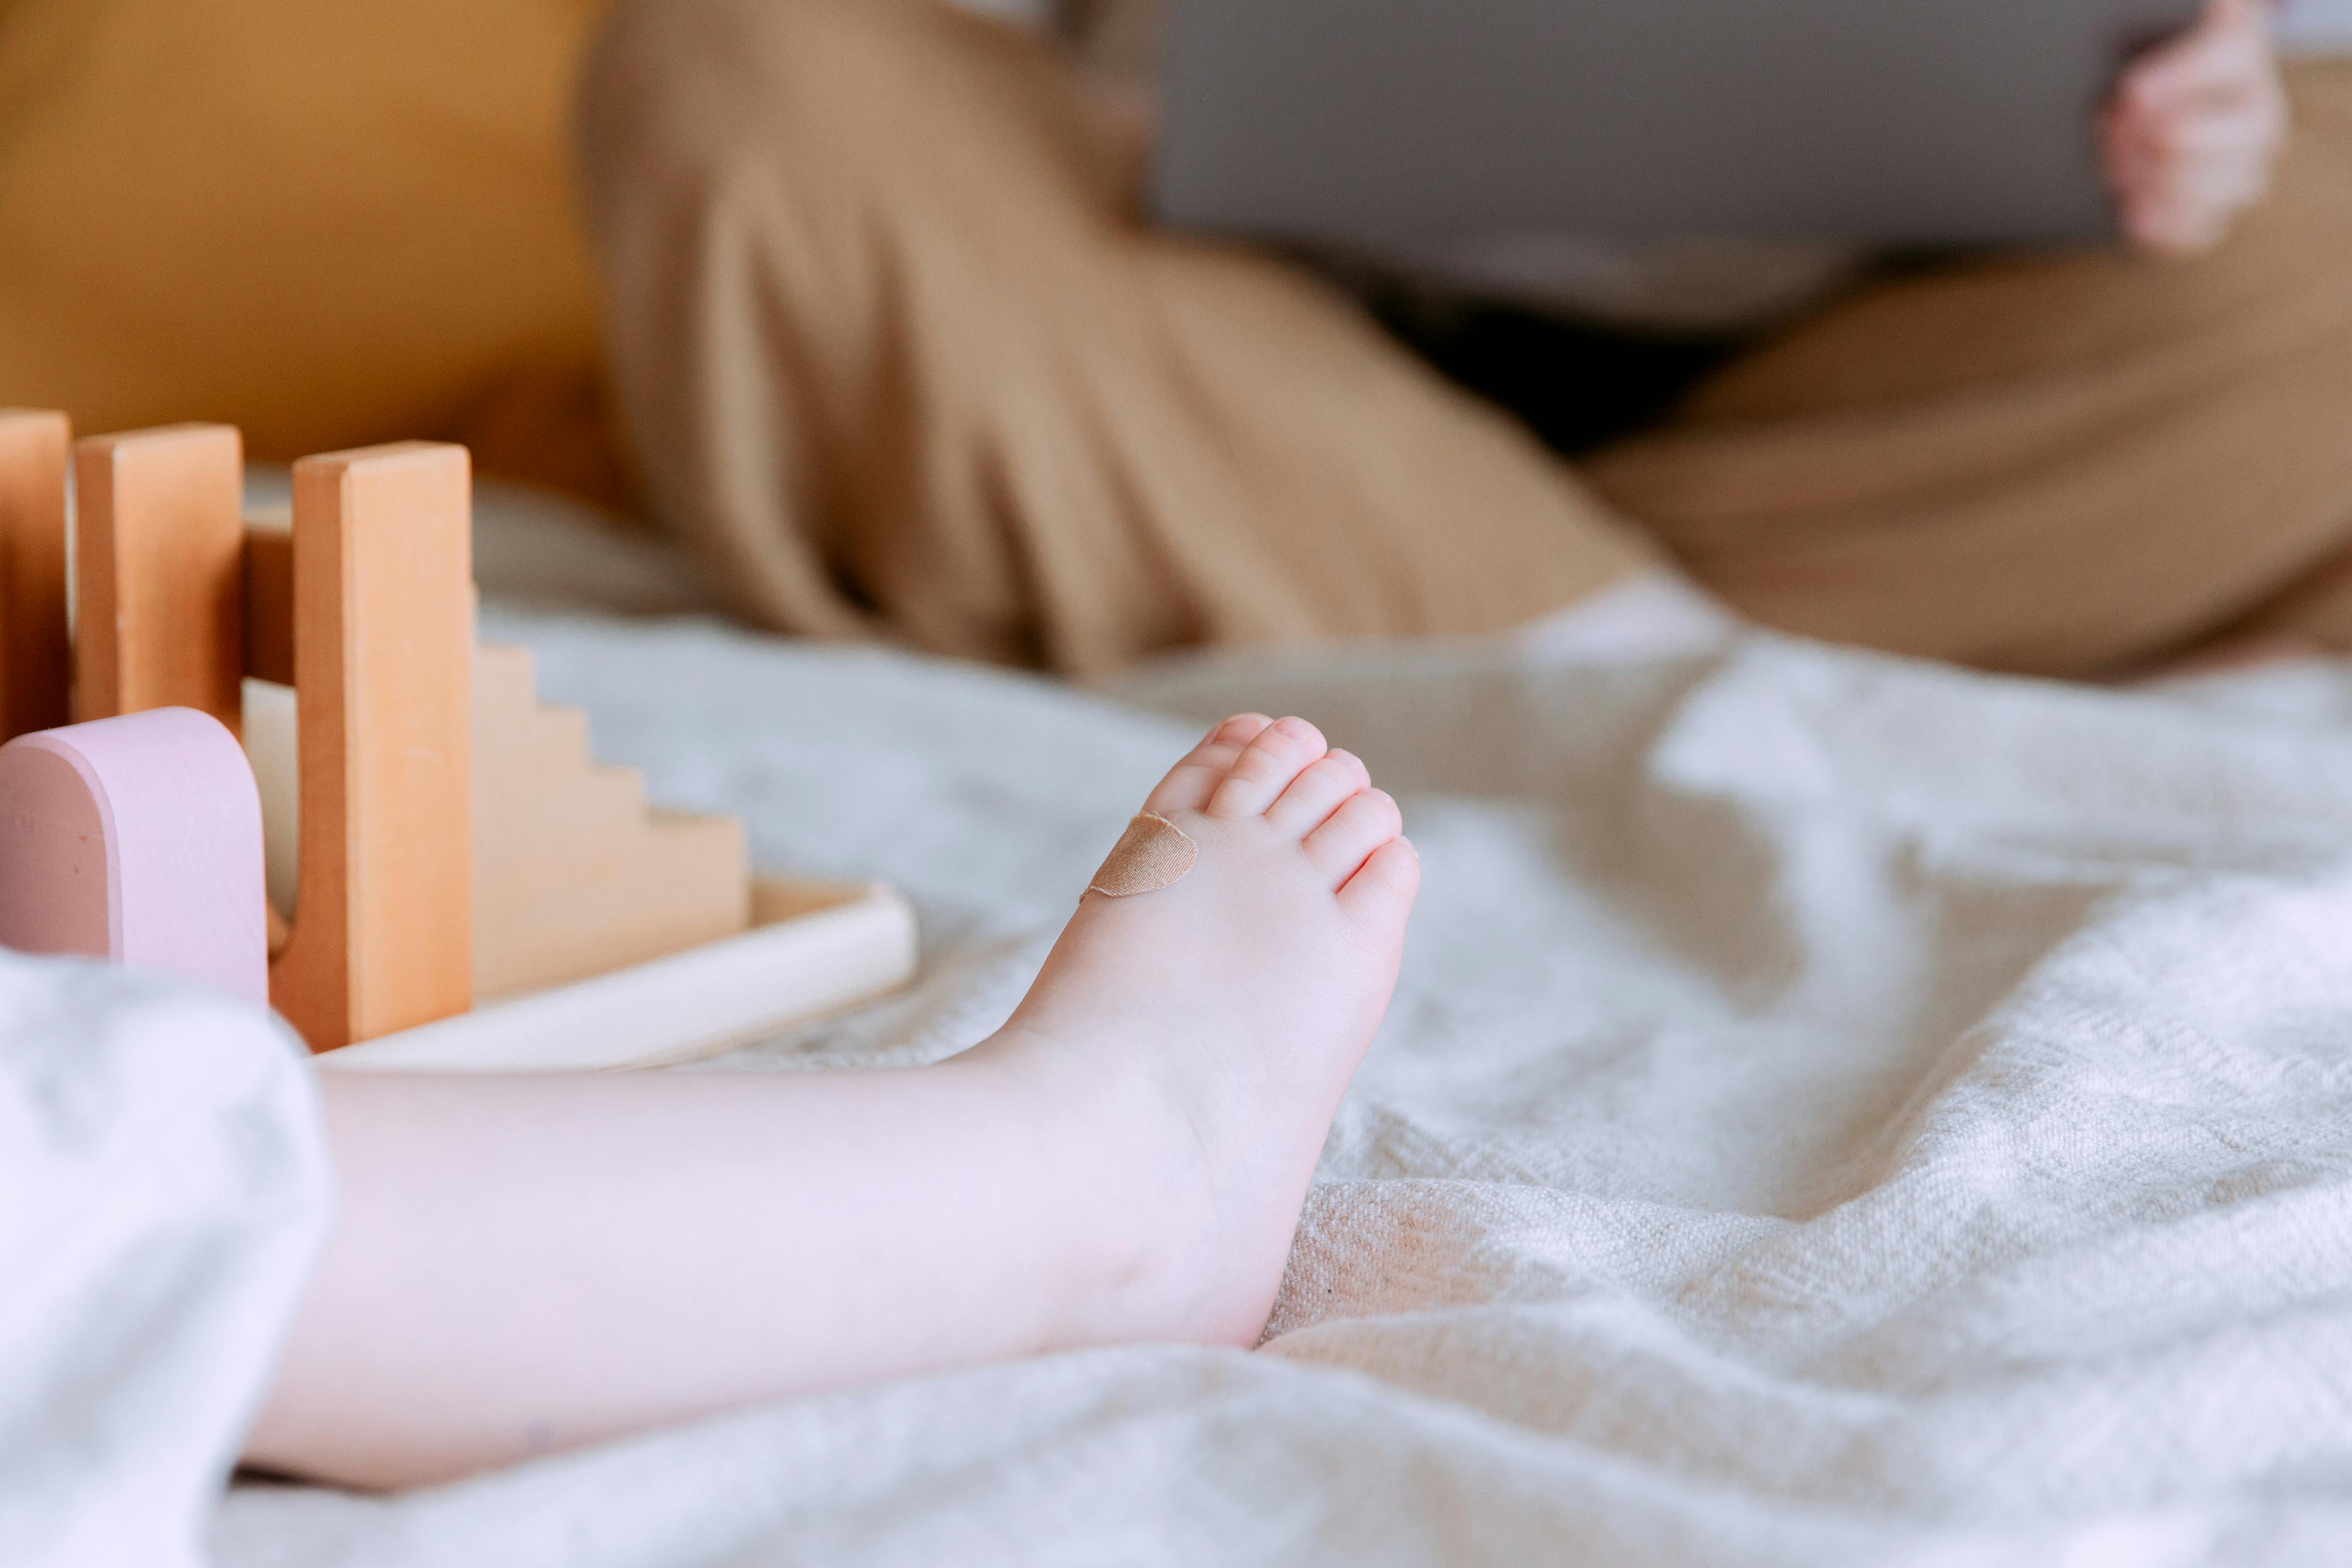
1835,1110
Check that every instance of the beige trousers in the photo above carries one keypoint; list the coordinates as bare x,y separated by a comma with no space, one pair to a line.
895,353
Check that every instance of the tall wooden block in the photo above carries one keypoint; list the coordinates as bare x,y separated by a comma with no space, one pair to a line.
159,562
36,660
136,838
382,935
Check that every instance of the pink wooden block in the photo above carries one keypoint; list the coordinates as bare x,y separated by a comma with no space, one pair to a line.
136,838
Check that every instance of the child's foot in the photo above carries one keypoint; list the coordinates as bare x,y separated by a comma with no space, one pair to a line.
1197,1038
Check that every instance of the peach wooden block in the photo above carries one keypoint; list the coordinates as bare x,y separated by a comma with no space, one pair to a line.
574,875
382,935
36,660
574,872
812,946
159,550
136,838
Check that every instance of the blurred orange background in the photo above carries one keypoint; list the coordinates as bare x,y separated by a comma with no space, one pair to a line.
330,224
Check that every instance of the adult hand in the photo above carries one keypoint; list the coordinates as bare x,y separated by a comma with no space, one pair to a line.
2189,138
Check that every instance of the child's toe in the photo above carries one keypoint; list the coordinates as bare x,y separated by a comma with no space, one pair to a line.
1315,794
1189,784
1266,767
1345,842
1385,886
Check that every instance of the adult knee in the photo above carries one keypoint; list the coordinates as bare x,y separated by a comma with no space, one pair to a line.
680,85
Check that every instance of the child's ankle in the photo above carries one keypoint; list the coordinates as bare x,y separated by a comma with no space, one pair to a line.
1129,1187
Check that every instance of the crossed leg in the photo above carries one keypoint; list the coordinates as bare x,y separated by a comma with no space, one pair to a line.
2075,464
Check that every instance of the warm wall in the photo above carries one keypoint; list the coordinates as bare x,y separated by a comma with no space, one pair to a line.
327,222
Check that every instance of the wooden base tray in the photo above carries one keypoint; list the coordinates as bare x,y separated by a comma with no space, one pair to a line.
813,947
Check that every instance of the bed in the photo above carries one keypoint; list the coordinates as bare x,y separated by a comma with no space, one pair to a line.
1837,1109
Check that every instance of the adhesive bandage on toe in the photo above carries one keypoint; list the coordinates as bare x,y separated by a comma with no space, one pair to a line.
1151,854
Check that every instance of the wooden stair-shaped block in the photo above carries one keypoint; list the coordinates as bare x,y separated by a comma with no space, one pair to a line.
573,875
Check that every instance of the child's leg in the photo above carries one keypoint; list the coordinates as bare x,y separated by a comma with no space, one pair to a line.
524,1264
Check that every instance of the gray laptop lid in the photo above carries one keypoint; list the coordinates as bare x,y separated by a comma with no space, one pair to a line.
1389,125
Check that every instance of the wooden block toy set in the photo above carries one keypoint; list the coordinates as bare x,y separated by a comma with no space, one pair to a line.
449,883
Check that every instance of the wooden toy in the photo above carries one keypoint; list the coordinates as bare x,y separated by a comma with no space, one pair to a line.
381,935
136,838
159,543
467,889
573,876
812,947
35,657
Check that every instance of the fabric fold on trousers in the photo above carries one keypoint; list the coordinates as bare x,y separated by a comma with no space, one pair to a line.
896,355
2060,464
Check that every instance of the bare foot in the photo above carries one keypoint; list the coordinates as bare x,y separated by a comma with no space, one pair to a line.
1202,1034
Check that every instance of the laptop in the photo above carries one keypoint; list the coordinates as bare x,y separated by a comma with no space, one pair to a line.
1390,127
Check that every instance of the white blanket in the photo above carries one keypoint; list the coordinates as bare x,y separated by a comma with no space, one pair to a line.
1835,1110
163,1190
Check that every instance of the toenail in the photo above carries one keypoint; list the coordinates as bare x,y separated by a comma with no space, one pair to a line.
1297,729
1339,755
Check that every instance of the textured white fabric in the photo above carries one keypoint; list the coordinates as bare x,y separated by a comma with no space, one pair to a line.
1836,1109
163,1191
